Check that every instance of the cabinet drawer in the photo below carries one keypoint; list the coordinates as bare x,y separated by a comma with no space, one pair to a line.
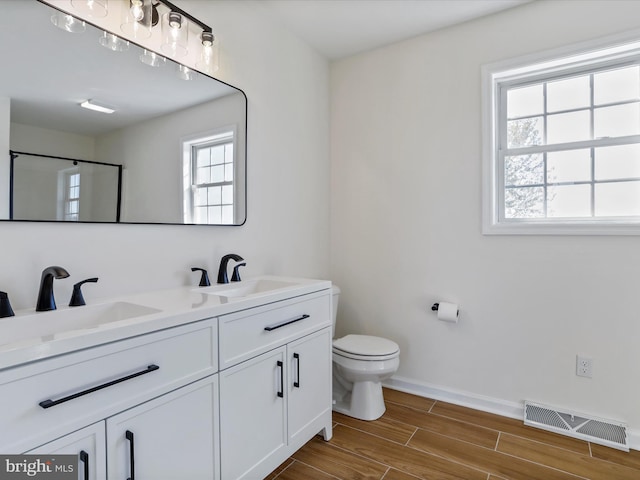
244,335
90,385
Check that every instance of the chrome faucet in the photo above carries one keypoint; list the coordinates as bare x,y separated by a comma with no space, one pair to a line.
46,301
224,261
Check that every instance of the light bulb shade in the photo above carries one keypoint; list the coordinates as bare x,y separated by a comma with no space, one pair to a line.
208,62
91,8
152,59
113,42
68,23
175,34
137,19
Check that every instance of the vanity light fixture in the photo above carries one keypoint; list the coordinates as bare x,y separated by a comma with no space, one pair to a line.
67,22
175,34
138,19
136,9
92,105
113,42
91,8
208,62
175,37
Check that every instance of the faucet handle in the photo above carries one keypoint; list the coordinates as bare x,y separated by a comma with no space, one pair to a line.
5,306
235,277
77,300
204,278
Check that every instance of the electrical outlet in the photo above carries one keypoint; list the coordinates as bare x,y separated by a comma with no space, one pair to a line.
584,366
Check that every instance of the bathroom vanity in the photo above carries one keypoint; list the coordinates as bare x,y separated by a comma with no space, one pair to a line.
221,382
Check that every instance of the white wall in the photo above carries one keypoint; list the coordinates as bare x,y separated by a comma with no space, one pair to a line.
406,226
45,141
152,155
288,176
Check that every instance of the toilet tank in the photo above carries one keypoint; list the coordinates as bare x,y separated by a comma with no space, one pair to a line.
335,293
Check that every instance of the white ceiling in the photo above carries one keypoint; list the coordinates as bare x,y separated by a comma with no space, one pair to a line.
340,28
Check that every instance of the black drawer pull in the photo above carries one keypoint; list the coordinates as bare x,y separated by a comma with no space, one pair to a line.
281,367
268,328
296,356
52,403
84,457
132,463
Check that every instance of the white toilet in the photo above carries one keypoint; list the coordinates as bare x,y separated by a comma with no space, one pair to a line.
360,363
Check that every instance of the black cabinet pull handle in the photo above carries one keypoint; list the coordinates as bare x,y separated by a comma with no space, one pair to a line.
52,403
132,467
281,367
275,326
84,458
297,382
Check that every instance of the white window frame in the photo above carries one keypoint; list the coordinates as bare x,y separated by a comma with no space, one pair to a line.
619,49
219,135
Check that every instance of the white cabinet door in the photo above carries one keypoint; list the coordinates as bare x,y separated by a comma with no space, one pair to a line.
309,384
89,444
253,416
170,437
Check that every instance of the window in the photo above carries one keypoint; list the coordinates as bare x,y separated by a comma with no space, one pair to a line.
209,179
72,196
563,151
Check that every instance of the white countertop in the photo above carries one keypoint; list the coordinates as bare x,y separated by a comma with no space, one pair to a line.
175,307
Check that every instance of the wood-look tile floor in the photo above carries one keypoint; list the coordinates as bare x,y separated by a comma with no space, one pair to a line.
422,438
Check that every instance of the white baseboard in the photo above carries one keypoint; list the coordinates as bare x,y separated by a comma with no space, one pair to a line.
476,402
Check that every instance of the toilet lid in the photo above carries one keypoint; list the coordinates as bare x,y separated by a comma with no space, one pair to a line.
366,345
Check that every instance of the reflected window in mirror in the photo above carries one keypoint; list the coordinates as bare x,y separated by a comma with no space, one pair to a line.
71,203
209,180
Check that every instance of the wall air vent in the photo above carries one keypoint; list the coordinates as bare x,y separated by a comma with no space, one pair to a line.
578,425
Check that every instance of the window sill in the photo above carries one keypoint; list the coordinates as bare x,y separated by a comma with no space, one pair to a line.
564,228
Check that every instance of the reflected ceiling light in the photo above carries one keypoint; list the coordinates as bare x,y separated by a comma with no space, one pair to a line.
138,19
113,42
92,105
184,73
175,34
208,62
152,59
91,8
68,23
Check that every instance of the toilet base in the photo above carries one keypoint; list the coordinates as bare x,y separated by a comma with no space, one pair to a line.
364,402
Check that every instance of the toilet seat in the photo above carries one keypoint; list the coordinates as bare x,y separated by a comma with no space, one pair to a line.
365,347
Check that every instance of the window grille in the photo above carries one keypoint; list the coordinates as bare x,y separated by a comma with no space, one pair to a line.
565,145
211,175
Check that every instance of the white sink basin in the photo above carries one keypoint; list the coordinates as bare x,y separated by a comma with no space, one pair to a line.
247,288
58,323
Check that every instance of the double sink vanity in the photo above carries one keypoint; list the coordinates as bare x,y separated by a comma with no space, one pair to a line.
219,382
200,383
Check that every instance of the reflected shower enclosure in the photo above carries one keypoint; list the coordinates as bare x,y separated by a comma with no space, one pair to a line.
49,188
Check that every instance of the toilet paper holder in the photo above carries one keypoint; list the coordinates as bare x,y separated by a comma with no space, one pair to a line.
447,312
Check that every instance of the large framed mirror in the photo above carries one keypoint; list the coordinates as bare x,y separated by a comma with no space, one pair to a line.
180,144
